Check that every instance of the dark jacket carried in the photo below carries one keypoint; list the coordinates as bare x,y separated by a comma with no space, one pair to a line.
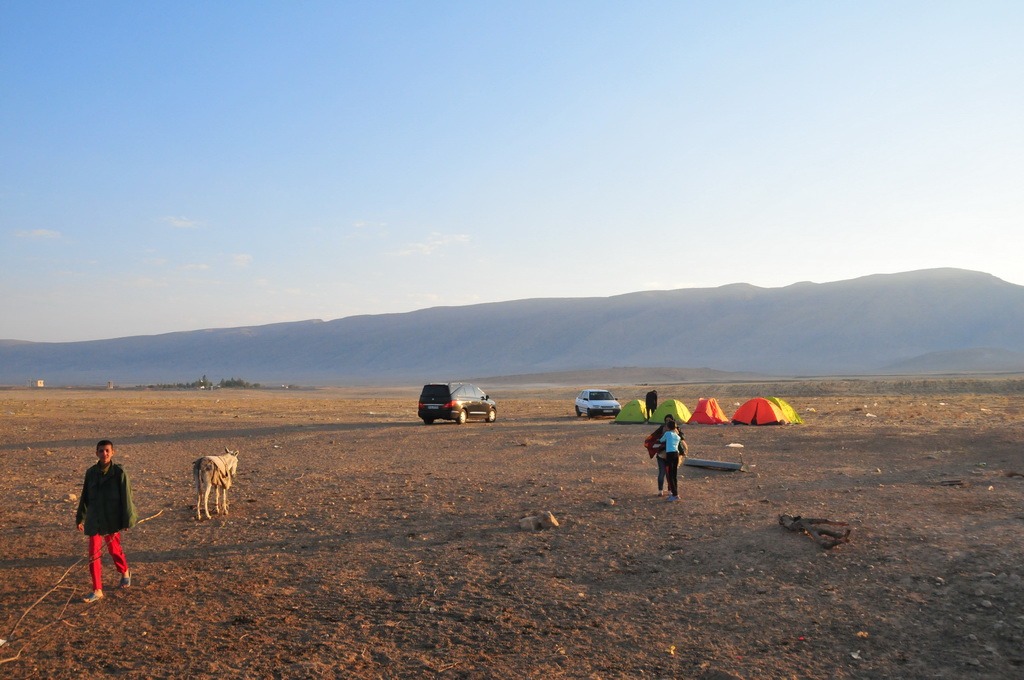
106,505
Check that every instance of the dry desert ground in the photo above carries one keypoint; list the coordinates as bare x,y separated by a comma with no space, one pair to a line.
363,544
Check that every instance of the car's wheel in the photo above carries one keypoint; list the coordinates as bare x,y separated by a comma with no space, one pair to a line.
492,415
428,421
462,417
578,412
590,414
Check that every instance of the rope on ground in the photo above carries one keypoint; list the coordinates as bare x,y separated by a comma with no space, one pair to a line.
91,558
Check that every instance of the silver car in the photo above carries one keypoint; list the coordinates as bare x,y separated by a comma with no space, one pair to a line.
596,403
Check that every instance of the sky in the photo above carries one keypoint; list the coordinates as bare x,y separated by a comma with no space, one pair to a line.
171,166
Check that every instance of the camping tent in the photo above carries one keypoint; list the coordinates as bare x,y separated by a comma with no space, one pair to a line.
759,411
708,412
787,410
673,407
633,412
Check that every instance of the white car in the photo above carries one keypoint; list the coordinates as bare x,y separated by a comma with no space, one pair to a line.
592,403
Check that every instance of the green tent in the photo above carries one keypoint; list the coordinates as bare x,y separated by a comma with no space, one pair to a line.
673,407
633,412
787,410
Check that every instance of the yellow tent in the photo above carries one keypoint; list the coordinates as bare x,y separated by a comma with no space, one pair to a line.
673,407
633,412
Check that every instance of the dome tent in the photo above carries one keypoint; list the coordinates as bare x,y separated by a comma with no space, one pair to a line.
708,412
632,412
787,410
673,407
759,411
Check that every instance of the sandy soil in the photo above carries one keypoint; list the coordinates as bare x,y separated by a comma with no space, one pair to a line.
363,544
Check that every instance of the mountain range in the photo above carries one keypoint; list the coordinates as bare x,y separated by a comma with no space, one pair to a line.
923,322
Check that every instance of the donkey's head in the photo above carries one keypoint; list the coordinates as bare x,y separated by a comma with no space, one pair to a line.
231,460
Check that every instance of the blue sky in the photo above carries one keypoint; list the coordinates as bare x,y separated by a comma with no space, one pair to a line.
171,166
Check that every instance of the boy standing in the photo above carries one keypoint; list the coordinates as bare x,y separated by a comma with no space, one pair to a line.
104,510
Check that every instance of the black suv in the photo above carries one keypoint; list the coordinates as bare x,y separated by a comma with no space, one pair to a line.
455,401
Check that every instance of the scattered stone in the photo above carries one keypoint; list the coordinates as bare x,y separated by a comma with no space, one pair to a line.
715,674
609,501
544,520
547,520
72,498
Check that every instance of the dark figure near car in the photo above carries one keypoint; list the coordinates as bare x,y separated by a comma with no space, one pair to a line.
651,401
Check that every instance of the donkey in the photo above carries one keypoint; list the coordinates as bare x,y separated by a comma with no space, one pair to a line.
213,473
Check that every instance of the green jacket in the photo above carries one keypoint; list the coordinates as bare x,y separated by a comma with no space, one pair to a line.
106,505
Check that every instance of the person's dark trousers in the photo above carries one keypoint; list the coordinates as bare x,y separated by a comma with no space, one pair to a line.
672,465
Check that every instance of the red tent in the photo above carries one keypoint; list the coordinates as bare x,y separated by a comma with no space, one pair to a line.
708,412
759,411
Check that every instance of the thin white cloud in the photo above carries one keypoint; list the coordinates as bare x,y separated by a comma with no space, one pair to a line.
146,282
37,233
425,298
202,267
368,230
241,260
182,222
429,247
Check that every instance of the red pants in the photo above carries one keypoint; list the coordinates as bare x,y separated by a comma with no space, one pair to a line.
113,542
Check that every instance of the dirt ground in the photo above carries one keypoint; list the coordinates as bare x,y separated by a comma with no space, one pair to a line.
363,544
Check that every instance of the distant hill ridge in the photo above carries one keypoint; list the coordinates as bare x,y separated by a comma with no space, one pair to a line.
928,321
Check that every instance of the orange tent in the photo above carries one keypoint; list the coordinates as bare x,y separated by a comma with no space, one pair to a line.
708,412
759,411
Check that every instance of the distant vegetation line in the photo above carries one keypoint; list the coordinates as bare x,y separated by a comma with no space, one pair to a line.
206,384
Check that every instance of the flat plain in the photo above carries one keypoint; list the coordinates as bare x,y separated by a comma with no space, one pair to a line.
363,544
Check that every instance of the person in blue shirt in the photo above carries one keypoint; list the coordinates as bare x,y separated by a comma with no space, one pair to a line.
656,449
675,446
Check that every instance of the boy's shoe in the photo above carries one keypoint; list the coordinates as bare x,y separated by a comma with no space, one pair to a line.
673,498
126,579
661,492
93,596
